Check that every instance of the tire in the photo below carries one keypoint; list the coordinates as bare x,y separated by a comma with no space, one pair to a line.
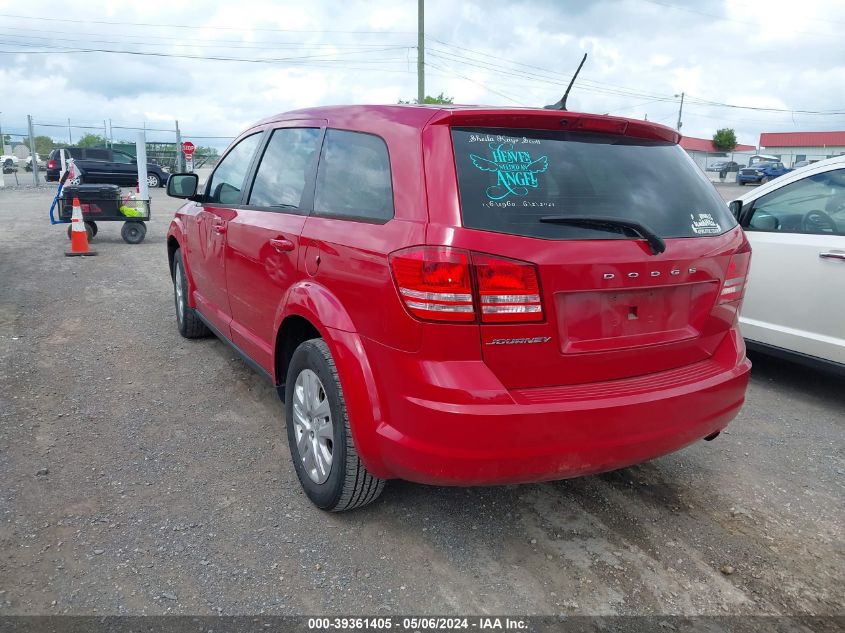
91,231
343,483
93,226
764,180
189,324
740,183
133,232
153,181
75,181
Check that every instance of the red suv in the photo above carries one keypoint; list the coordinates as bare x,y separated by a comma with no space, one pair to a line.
467,295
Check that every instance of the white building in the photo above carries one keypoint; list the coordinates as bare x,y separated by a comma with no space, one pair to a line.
792,147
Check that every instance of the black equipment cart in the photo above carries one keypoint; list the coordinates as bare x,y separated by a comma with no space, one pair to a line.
104,203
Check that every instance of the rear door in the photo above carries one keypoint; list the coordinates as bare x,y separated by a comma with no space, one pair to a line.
125,169
263,237
611,307
796,292
207,228
97,165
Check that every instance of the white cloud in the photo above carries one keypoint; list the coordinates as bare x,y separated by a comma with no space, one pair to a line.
496,52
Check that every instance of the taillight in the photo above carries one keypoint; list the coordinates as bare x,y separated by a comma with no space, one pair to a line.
736,277
51,164
434,282
508,290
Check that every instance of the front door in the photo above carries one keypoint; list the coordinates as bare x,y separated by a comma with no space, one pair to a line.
263,239
796,288
223,195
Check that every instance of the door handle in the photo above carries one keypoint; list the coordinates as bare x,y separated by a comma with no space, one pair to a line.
282,245
220,229
833,255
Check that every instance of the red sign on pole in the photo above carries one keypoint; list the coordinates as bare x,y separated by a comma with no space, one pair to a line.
188,148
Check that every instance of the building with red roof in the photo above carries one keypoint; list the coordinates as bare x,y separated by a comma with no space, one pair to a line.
692,144
792,147
705,154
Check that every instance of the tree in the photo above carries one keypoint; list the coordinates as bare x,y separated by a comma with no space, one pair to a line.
43,145
441,98
202,150
724,139
92,140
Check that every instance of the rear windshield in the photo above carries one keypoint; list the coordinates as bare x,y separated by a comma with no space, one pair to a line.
509,179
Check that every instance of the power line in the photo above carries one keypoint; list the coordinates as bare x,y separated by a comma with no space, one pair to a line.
181,41
455,73
201,28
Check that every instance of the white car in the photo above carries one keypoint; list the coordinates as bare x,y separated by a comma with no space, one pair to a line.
8,162
795,299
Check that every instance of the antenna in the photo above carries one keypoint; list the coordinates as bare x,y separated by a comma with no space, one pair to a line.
561,105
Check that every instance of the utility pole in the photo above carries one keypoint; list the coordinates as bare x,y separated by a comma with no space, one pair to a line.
2,141
420,51
32,150
680,112
69,137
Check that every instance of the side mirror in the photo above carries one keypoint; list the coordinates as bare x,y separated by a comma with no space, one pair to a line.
735,207
182,185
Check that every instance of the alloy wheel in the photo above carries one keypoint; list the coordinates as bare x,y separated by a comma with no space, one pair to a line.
313,428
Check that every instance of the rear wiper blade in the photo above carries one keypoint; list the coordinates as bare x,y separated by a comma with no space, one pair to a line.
605,223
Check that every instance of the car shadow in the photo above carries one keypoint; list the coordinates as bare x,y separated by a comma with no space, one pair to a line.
791,377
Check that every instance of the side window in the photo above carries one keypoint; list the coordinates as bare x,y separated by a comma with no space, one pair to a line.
120,157
281,175
353,179
97,154
815,204
227,181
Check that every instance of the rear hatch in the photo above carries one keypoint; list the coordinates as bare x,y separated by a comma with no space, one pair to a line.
629,245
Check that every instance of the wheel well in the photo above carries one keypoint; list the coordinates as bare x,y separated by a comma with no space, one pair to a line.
294,330
172,247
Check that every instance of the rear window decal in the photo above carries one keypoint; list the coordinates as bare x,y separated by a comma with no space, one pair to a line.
516,171
704,224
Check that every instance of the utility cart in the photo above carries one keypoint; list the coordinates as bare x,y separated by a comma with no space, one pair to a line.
104,203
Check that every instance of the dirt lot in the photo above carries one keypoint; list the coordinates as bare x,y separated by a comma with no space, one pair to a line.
141,473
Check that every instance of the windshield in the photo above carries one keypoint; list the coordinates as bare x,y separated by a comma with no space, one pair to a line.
509,179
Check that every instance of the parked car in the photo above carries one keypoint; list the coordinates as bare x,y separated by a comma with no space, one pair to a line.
467,296
105,166
724,165
42,164
795,300
761,173
9,163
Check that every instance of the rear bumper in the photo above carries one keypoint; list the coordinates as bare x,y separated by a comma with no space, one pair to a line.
545,434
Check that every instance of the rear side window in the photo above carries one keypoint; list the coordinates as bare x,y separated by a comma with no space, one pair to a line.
227,181
281,175
510,179
353,179
97,154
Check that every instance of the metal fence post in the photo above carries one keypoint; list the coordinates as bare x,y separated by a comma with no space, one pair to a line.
179,166
32,155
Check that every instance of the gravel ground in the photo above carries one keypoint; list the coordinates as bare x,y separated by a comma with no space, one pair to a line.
141,473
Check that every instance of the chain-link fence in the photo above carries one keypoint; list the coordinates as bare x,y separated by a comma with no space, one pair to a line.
19,141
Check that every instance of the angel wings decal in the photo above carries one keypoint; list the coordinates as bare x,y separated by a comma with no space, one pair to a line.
515,171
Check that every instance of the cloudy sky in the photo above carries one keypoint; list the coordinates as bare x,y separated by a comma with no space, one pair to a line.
219,66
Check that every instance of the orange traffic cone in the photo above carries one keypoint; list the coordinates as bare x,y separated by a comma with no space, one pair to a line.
78,234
